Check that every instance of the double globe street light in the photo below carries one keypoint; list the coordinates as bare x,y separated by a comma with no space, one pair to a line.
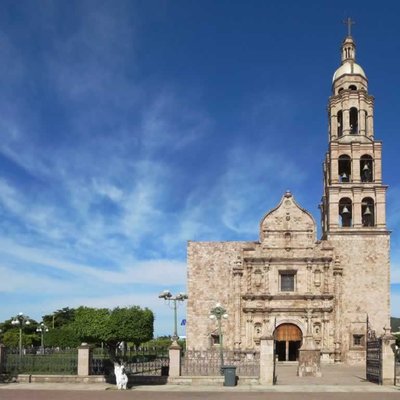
168,297
218,313
20,320
42,329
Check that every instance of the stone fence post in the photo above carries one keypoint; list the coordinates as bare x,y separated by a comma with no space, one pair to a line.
175,360
84,359
388,359
267,362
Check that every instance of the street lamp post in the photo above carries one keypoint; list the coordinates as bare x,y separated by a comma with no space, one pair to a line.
42,329
217,313
167,296
20,320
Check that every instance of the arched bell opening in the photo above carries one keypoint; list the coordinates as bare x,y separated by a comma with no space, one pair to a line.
344,171
340,123
368,211
288,339
366,168
353,87
353,121
345,212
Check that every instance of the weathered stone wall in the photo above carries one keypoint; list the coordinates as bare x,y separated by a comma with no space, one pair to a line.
210,281
365,288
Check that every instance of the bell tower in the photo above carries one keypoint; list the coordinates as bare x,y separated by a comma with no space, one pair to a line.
354,197
353,209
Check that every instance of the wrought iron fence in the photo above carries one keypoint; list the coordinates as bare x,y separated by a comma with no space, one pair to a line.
33,360
374,358
137,361
208,363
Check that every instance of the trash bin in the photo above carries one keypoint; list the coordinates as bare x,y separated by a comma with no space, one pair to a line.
229,375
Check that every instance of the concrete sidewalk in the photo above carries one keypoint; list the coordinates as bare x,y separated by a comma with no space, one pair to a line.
371,388
335,379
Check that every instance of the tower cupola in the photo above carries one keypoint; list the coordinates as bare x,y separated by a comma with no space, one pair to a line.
348,50
349,74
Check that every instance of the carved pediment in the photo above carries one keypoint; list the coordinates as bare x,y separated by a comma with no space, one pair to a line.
288,226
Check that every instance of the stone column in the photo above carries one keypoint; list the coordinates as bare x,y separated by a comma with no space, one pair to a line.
357,218
84,356
377,164
346,120
337,274
249,330
361,122
249,277
266,272
267,362
326,277
237,276
355,163
333,125
370,125
334,169
333,213
175,360
325,333
380,208
388,358
309,273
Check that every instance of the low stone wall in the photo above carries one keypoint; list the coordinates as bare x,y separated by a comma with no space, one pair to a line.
133,379
25,378
210,380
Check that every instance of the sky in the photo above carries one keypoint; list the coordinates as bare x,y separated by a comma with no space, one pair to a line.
128,128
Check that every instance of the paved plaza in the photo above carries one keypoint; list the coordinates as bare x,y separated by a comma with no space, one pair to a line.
332,374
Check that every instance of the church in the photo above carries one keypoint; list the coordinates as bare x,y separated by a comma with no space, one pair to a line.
289,283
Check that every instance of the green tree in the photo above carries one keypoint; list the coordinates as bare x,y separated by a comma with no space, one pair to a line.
61,337
111,327
91,324
11,338
163,342
59,318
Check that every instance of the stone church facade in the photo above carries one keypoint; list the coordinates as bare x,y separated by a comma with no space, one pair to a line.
288,283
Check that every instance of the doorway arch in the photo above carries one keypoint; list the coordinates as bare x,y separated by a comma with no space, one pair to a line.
288,338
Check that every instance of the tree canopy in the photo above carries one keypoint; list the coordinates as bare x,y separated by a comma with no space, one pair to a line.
112,327
69,327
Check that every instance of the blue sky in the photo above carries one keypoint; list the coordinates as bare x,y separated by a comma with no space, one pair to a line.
130,127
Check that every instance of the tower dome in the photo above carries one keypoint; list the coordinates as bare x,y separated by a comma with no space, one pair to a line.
348,68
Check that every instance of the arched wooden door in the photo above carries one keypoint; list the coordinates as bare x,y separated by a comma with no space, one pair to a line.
288,339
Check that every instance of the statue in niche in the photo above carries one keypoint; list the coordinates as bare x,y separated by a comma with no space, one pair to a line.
257,332
257,278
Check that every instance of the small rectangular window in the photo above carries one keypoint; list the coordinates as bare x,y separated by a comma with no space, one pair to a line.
358,340
214,339
287,281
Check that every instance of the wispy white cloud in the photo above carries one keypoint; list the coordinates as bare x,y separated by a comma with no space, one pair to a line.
154,271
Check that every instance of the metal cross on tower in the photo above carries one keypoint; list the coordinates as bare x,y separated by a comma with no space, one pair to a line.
349,22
